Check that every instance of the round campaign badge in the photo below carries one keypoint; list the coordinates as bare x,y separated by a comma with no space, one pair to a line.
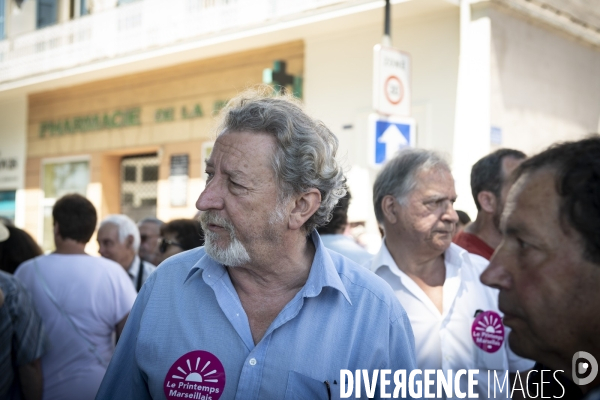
196,375
487,331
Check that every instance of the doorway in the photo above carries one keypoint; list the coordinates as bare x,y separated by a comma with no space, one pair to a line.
139,185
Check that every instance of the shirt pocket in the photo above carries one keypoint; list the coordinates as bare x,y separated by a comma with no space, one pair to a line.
302,387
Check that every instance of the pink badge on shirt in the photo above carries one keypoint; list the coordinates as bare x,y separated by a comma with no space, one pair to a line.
195,375
488,331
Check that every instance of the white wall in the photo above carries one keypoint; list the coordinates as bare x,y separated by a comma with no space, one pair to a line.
545,85
21,20
338,90
472,124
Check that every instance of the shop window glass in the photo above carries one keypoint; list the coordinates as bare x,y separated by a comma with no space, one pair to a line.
7,204
60,179
47,13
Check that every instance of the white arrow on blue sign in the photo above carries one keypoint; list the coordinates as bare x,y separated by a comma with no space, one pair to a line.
388,135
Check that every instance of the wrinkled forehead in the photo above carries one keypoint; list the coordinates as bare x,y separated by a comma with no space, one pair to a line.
431,178
245,144
248,154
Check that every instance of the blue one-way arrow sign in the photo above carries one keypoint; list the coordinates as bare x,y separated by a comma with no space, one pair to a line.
388,135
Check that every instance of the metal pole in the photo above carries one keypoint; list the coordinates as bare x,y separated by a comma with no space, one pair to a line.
387,38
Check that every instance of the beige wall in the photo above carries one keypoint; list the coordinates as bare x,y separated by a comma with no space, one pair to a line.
545,85
203,82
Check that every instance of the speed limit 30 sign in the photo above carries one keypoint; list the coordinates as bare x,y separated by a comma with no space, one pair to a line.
391,81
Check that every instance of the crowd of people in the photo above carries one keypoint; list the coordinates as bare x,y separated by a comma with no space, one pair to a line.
265,296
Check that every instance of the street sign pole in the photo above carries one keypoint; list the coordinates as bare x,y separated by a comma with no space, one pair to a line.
387,35
390,126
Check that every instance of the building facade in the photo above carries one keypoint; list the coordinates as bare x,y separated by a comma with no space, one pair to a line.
116,100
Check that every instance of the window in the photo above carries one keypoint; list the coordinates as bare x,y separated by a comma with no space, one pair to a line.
46,13
60,179
2,14
127,199
83,7
149,202
150,173
130,173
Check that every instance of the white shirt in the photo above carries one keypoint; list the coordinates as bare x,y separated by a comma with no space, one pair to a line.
96,294
443,341
134,270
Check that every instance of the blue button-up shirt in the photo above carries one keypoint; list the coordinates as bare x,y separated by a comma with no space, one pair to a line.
344,317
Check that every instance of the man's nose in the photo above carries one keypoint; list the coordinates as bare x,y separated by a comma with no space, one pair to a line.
211,197
450,214
496,275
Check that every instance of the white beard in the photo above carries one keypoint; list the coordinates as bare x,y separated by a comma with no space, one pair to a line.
235,254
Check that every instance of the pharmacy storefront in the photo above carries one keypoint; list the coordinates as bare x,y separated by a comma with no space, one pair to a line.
136,144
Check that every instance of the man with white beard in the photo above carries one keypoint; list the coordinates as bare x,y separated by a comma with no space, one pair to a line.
264,310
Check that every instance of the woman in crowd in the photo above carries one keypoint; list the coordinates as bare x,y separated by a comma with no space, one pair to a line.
179,235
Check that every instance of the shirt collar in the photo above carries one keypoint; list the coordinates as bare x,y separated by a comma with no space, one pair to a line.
454,257
323,272
134,268
383,259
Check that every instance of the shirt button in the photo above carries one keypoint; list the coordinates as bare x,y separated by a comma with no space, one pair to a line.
252,361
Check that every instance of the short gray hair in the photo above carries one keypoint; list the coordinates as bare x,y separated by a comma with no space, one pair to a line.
398,176
126,227
304,157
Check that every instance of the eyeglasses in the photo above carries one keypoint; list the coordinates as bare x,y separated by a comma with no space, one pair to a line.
164,245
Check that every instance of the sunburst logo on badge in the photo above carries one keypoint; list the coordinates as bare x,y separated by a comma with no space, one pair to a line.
195,375
487,331
490,324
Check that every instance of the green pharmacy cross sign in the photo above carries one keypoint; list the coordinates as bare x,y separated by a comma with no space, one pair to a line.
280,79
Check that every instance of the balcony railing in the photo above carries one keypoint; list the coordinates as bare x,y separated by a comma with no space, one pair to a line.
135,28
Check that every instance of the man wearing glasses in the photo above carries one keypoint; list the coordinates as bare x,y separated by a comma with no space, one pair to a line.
455,318
263,310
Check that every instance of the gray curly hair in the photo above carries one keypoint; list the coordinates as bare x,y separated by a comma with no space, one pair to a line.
305,148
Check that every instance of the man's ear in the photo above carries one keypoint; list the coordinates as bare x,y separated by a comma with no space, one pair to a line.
487,201
129,242
389,206
55,229
305,205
